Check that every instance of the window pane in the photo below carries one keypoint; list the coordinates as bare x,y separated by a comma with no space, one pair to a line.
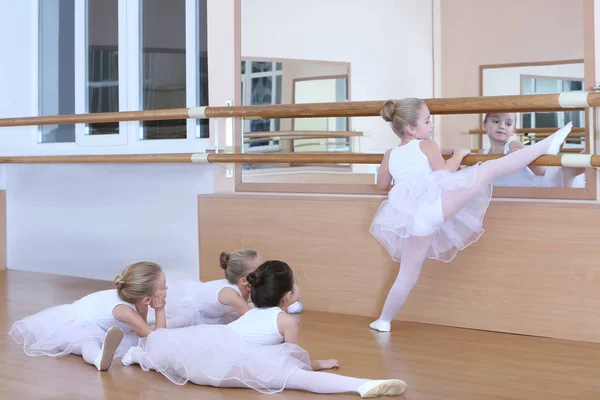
103,63
544,86
57,67
163,65
261,66
202,51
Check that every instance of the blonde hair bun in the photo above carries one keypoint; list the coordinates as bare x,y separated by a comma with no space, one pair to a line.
387,111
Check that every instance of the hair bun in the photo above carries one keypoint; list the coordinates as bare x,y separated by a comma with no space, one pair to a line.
120,282
224,260
388,110
254,279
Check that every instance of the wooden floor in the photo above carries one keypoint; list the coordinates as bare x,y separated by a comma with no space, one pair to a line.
436,362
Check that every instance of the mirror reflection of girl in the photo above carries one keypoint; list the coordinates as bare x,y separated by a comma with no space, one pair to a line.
500,128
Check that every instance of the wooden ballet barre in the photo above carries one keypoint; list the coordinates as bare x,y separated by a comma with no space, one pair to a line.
439,106
565,160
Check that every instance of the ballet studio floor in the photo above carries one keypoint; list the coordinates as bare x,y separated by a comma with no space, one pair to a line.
436,362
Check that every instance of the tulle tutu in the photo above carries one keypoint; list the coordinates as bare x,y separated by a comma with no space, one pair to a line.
186,308
214,355
394,221
61,330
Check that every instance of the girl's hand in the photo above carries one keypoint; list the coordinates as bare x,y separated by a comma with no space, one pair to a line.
327,364
159,299
462,152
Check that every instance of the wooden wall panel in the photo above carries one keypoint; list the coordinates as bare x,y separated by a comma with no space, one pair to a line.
536,270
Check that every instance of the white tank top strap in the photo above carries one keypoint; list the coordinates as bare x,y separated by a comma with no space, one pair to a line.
120,301
506,149
229,285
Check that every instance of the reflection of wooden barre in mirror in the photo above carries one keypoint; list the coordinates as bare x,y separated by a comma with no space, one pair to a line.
252,137
562,150
526,131
328,140
302,134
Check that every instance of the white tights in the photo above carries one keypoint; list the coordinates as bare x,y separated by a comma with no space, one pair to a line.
90,350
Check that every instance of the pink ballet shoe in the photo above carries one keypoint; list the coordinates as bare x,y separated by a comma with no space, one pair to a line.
388,387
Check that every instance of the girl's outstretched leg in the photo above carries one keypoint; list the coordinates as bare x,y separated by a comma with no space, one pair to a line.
414,253
326,383
455,200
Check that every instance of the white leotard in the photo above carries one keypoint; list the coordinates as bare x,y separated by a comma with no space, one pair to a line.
259,325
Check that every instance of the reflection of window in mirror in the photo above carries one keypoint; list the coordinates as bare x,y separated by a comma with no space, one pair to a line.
549,85
262,85
285,81
321,90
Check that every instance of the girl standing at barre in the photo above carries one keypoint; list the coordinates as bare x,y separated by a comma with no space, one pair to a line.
434,209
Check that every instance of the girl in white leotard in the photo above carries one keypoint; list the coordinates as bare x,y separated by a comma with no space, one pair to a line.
434,210
102,325
500,128
214,302
258,351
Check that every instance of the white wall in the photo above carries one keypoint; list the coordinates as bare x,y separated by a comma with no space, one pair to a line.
387,42
93,220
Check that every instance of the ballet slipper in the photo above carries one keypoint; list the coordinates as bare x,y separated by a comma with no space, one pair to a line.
387,387
381,326
558,139
112,340
129,358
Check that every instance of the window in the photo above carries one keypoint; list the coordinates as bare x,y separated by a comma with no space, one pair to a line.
102,84
56,94
122,55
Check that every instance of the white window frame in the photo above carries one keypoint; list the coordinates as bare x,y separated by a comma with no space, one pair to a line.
129,41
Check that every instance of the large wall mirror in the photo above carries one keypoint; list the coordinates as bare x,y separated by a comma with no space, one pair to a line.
497,132
289,81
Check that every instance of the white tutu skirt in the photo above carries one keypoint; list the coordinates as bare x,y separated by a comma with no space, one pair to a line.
61,330
185,308
395,219
214,355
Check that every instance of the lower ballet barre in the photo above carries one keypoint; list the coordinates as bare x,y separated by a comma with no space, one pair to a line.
562,160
